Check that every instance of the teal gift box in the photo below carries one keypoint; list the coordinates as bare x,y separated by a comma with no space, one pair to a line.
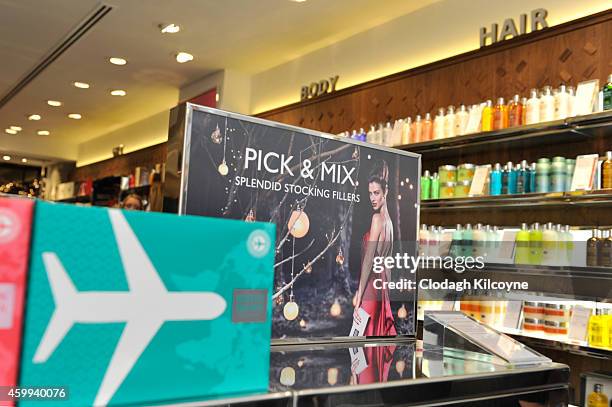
126,308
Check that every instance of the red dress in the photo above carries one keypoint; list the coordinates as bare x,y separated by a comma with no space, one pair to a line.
376,302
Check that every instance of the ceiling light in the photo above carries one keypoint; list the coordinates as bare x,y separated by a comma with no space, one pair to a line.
74,116
169,28
216,97
6,157
117,61
43,132
118,92
81,85
298,1
24,160
54,103
183,57
16,128
34,117
10,131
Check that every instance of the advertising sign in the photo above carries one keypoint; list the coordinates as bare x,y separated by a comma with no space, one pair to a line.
341,209
129,308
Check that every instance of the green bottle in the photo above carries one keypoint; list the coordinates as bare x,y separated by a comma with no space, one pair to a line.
607,94
426,186
467,248
435,186
521,254
457,242
536,240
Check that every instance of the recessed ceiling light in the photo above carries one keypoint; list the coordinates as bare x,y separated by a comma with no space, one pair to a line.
54,103
117,61
81,85
34,117
43,132
118,92
183,57
169,28
16,128
74,116
298,1
24,160
10,131
6,157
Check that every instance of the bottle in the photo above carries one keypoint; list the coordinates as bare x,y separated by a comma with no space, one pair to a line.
487,117
561,103
438,125
562,257
435,186
597,398
557,179
515,112
426,186
568,238
450,122
417,129
524,111
423,241
387,135
433,246
607,171
495,185
500,115
505,179
513,173
535,244
543,175
592,249
456,242
479,239
407,132
371,135
571,101
522,180
489,242
604,256
532,177
532,108
549,245
547,105
607,94
570,165
467,243
461,121
427,128
380,134
521,255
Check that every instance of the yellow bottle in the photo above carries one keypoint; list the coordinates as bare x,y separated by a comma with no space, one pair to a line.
487,117
597,398
598,331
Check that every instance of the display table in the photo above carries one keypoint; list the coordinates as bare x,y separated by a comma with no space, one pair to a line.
399,373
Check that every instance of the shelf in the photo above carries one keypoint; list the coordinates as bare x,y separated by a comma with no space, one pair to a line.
579,283
568,130
556,199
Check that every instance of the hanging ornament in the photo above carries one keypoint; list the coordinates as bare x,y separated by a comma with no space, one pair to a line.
400,366
216,136
298,223
308,268
340,257
223,169
250,216
402,313
356,153
287,376
332,376
302,323
335,310
300,363
291,309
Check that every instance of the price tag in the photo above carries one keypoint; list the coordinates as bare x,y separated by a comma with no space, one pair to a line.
579,323
479,181
584,172
513,314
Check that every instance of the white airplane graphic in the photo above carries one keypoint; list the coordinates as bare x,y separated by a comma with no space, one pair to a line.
144,308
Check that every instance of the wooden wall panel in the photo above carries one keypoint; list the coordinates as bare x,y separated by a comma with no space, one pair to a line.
568,53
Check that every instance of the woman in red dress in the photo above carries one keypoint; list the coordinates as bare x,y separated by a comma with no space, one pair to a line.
377,242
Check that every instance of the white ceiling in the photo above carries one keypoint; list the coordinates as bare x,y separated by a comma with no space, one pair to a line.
246,35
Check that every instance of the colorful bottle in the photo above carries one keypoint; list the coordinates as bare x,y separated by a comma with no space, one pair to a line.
532,108
433,246
487,117
371,135
521,255
513,173
461,121
532,177
387,135
561,103
593,245
558,168
597,398
407,132
568,238
515,112
495,184
605,253
479,239
535,244
438,125
417,129
547,105
571,101
549,245
607,171
543,175
435,186
570,164
456,242
467,243
522,180
450,122
607,94
500,115
427,128
426,186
